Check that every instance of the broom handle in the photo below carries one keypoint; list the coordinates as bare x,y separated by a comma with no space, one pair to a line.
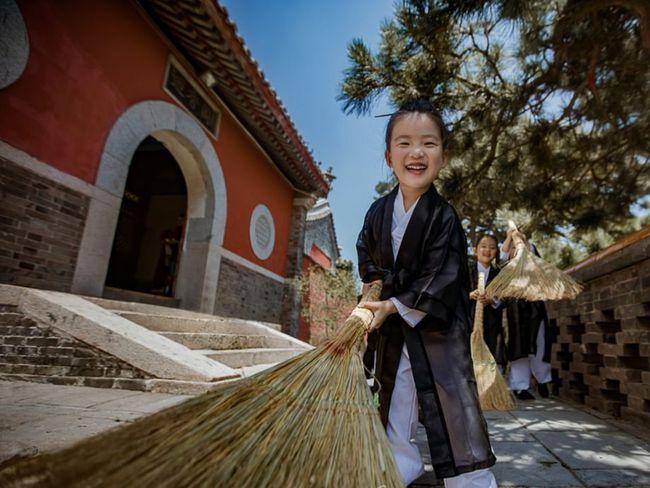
516,238
478,313
363,314
372,295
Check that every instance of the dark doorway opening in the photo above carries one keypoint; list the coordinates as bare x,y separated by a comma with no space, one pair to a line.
150,229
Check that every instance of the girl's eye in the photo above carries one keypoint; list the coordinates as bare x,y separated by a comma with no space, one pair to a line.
430,144
403,144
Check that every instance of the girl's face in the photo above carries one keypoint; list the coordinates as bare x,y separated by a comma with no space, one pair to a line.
416,154
486,250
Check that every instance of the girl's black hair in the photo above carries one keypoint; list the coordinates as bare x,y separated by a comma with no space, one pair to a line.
480,237
422,106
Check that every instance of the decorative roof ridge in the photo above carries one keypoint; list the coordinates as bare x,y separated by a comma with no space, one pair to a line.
276,105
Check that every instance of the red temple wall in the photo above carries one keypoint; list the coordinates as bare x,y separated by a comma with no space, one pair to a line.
89,62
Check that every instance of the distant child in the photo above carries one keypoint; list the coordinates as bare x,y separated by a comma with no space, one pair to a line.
413,242
486,250
529,341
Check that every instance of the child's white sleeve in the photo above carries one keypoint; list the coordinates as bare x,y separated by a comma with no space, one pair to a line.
410,315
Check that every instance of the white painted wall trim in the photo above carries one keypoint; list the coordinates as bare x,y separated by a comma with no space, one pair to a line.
261,211
252,266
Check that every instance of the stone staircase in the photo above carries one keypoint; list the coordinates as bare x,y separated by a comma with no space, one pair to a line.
67,339
244,345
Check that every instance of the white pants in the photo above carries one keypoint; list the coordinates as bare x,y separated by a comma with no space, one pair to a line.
402,428
521,369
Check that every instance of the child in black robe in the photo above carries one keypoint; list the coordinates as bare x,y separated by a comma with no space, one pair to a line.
486,251
413,242
529,339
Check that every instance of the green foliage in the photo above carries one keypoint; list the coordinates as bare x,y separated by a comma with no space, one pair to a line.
548,103
330,297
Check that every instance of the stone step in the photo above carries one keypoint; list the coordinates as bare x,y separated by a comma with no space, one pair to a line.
154,385
115,336
138,296
208,340
247,371
145,308
215,325
240,358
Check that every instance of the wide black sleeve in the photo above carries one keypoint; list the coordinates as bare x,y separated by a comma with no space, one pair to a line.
442,279
366,248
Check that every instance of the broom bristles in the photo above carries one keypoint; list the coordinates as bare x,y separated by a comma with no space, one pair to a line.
492,388
529,277
309,421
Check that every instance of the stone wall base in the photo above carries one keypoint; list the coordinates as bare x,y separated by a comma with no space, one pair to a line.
246,294
41,223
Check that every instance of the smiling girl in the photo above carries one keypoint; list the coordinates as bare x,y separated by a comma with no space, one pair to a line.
413,242
485,252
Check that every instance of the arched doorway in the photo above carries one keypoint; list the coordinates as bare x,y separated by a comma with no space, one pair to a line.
193,150
151,225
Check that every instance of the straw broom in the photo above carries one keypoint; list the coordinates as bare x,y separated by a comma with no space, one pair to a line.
529,277
308,422
493,391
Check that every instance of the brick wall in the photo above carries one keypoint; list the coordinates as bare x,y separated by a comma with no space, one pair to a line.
32,352
41,223
291,302
243,293
601,355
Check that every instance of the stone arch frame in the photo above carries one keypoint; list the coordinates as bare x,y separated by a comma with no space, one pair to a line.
206,207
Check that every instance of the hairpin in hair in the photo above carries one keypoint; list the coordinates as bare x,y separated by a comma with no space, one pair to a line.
385,115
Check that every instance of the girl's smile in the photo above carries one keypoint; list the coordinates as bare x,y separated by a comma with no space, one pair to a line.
416,154
486,250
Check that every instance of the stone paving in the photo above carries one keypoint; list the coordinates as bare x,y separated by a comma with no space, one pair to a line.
548,443
545,443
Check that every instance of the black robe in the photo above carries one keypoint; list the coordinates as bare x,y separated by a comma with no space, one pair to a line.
429,274
492,317
524,319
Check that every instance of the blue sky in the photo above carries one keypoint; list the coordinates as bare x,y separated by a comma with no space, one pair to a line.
302,48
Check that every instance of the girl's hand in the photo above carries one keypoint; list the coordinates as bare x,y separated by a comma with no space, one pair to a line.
381,311
474,295
485,300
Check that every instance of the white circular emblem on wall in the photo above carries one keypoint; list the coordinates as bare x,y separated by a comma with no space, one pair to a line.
14,43
262,231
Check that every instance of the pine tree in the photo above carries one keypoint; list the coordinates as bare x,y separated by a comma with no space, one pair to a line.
547,101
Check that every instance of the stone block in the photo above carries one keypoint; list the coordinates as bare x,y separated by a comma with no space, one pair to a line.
613,477
52,370
42,341
65,380
130,384
597,450
98,382
14,340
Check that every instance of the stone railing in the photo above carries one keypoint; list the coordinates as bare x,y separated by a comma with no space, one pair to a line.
601,354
